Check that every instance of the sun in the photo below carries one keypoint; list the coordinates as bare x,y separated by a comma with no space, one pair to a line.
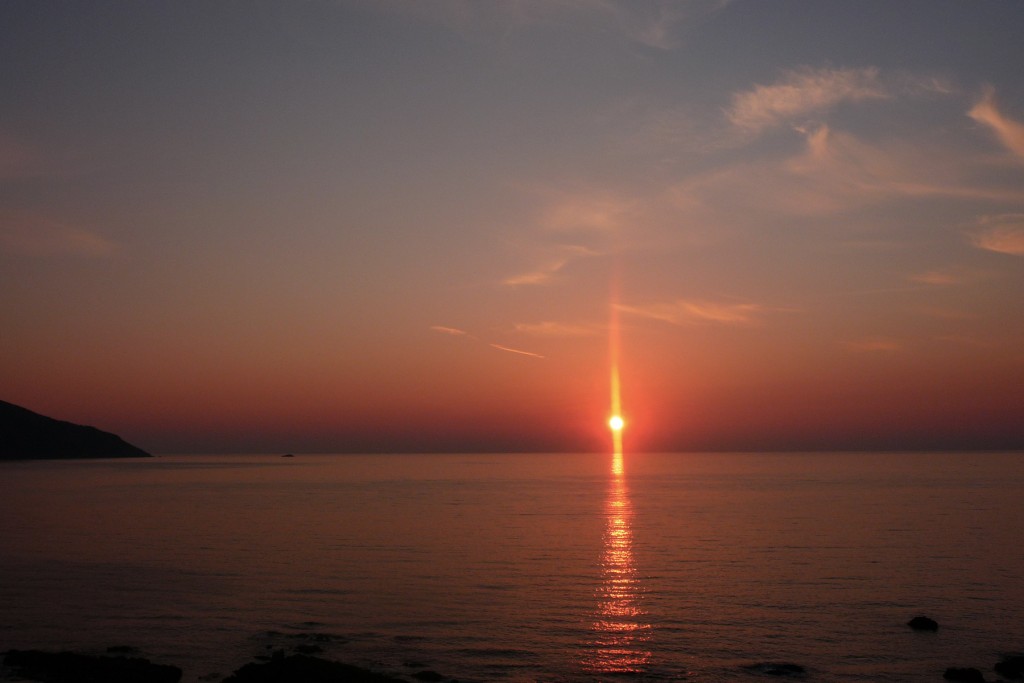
616,423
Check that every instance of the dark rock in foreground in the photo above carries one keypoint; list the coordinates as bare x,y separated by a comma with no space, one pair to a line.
304,669
27,435
923,624
70,667
777,669
1011,667
964,675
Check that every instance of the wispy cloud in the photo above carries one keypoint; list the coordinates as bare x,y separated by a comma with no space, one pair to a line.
1003,234
802,92
943,277
518,351
1009,132
588,213
556,329
545,271
593,220
34,235
836,172
533,277
456,332
692,312
847,169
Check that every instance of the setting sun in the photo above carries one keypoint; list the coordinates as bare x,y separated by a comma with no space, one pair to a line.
616,423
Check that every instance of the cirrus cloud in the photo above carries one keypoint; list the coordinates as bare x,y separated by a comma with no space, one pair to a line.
836,172
1009,131
552,263
801,92
1003,234
456,332
694,312
453,331
944,277
550,328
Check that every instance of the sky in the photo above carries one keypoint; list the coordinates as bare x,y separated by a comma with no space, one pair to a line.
387,225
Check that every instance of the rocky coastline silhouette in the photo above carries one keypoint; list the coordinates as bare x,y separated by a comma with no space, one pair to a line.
26,435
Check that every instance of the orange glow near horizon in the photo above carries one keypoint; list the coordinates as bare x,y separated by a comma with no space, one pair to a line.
483,304
615,421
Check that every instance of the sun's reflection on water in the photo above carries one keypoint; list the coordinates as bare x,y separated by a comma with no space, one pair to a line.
621,632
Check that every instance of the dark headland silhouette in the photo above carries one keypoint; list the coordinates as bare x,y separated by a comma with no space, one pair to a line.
25,435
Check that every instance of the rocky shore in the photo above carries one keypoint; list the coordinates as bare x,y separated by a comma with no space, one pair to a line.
122,665
293,658
280,667
72,667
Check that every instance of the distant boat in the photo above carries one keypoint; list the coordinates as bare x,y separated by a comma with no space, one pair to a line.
288,455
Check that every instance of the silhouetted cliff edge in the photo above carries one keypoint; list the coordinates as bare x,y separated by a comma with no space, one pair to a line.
27,435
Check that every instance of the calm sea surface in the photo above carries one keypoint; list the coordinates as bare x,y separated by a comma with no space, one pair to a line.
524,567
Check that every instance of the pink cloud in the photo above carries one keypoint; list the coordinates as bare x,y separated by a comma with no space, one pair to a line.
945,277
454,331
1003,234
690,312
559,257
1009,132
555,329
518,351
802,92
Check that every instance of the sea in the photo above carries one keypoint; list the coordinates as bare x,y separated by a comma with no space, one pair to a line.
706,567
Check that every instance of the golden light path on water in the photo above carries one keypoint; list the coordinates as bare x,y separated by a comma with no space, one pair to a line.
621,631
